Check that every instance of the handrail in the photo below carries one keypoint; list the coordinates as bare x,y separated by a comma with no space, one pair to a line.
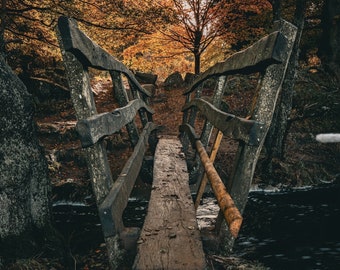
269,56
237,128
263,53
97,126
224,200
79,52
90,54
111,209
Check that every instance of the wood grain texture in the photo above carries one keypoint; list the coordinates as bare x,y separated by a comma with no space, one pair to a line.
170,238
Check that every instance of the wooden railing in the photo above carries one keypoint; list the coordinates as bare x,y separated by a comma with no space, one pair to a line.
269,56
79,54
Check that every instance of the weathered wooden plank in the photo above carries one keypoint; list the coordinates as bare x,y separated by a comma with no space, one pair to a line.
89,53
170,238
257,57
237,128
111,210
97,126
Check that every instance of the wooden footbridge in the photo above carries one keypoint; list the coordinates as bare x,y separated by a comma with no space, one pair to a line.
170,237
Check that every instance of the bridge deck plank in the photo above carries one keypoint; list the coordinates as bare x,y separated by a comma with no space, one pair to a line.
170,238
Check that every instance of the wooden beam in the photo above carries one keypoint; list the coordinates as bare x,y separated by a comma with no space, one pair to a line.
224,200
257,57
89,53
97,126
111,210
237,128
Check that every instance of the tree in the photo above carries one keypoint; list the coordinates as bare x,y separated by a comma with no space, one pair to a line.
329,51
199,23
27,38
27,28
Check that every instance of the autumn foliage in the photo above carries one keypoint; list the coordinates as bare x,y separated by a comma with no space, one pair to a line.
160,36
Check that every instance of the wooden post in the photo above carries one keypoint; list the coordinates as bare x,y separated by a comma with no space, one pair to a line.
204,180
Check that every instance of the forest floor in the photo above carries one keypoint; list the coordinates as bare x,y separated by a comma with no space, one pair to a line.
316,109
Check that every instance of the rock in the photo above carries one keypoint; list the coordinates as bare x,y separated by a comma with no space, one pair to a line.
189,78
24,185
174,80
146,78
151,88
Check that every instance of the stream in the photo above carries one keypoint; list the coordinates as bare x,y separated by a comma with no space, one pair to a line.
293,229
297,229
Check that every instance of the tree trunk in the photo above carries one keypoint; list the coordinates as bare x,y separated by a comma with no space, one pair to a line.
275,139
197,63
3,19
24,184
329,49
276,4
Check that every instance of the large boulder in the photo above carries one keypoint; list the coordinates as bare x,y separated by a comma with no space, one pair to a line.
174,80
24,182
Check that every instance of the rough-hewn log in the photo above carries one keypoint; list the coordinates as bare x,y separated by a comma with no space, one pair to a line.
111,209
96,158
94,128
266,101
216,101
170,238
255,58
247,155
237,128
89,53
224,200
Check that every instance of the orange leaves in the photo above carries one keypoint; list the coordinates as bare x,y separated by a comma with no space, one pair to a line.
152,53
